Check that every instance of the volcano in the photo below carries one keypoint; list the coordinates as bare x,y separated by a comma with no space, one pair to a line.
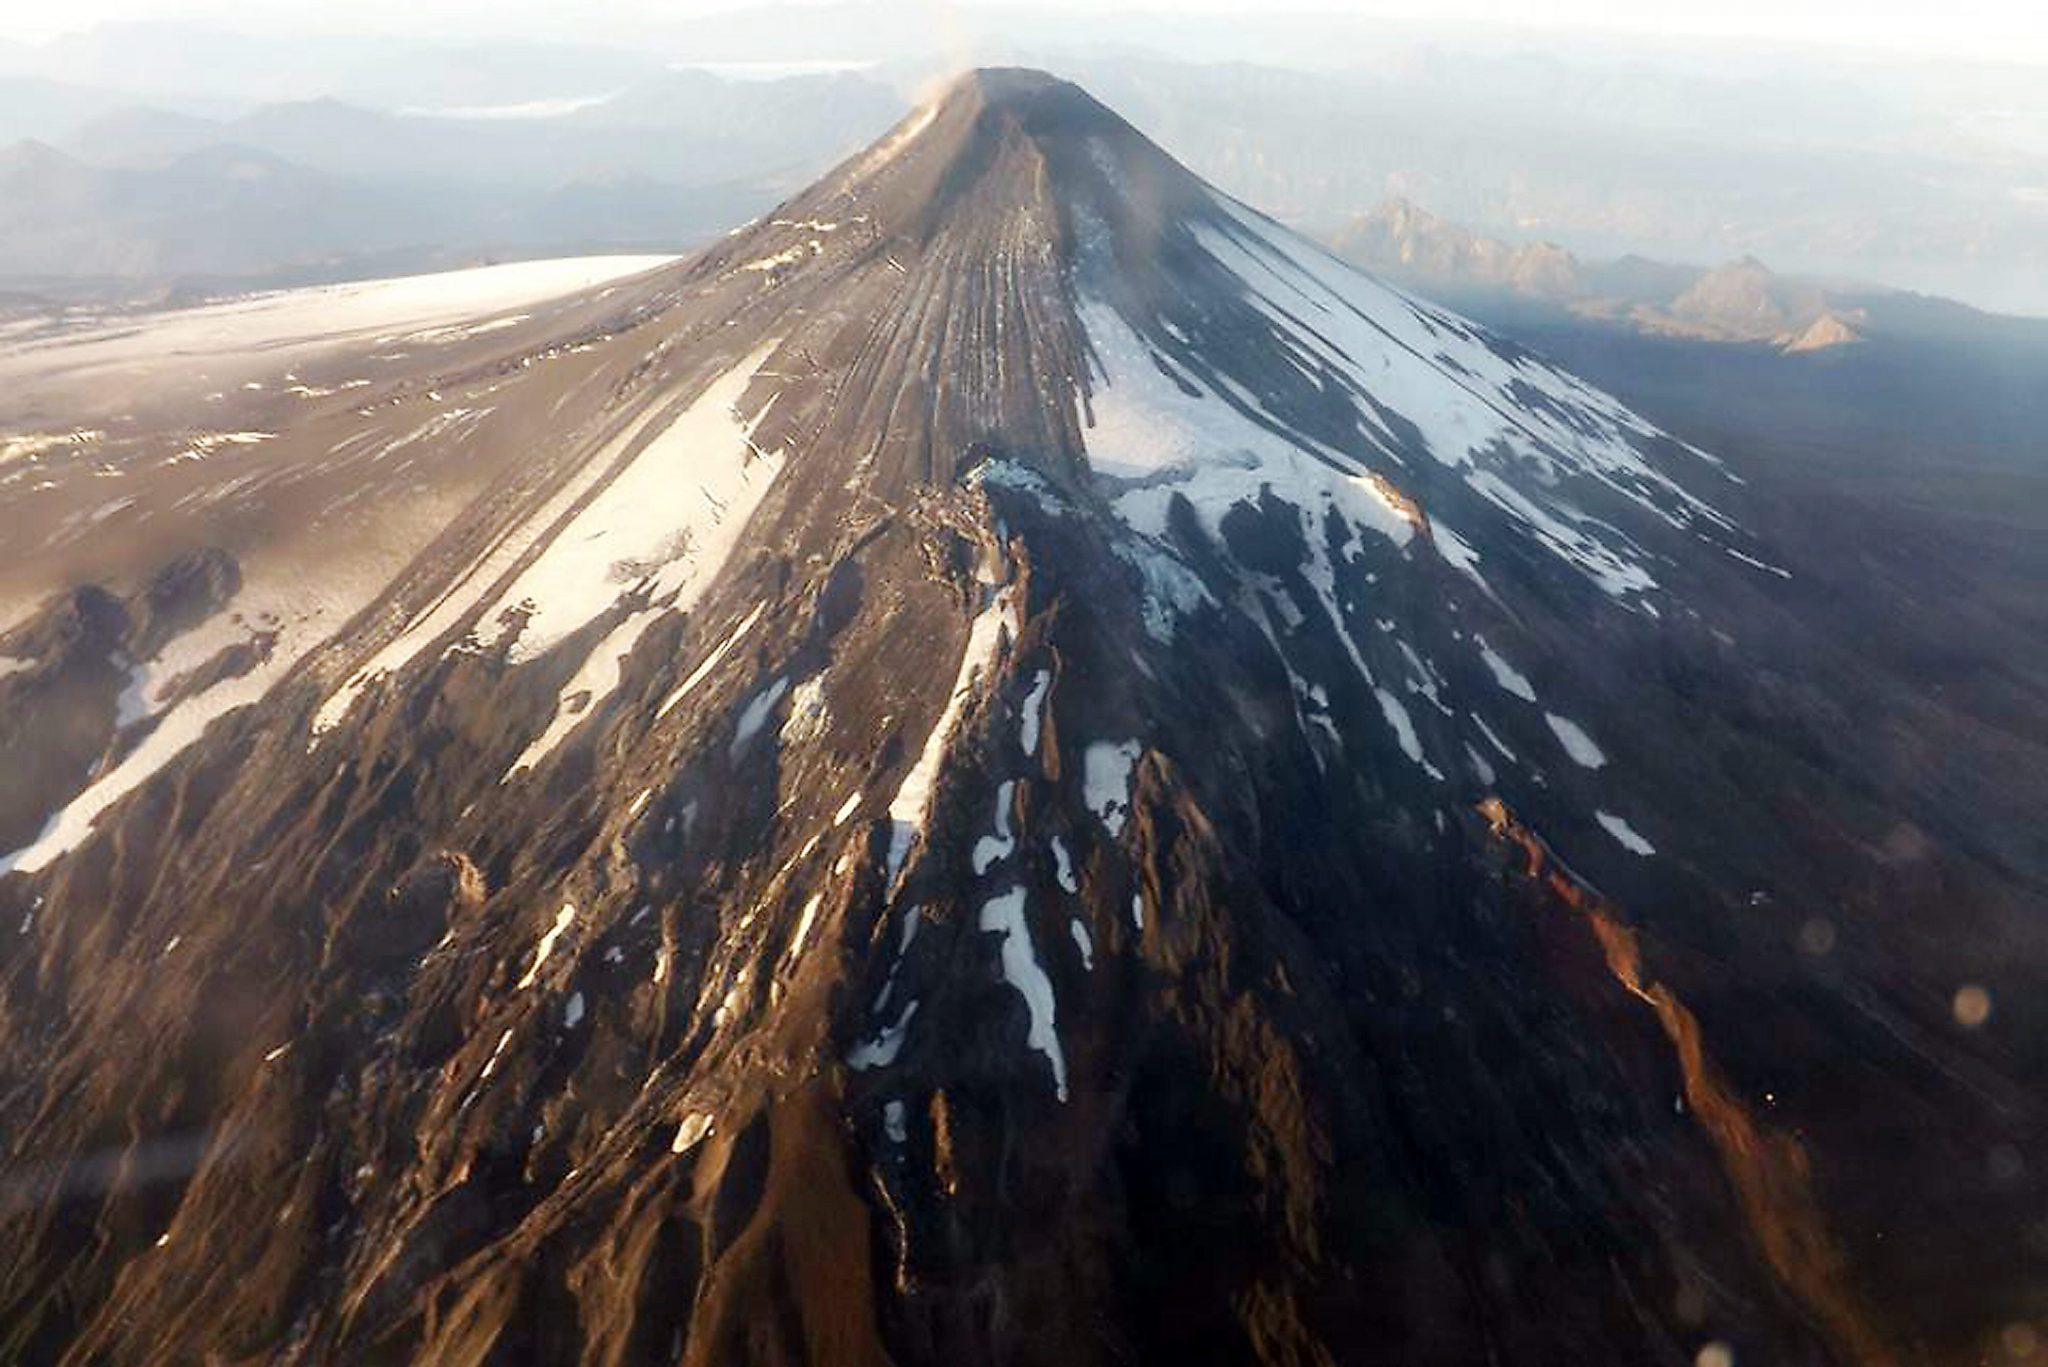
1013,765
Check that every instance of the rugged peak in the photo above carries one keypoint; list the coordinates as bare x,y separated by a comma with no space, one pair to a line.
1830,329
1022,135
1010,101
1018,89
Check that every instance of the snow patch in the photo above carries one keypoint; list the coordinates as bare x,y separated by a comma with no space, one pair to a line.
755,715
204,444
807,711
459,332
991,848
1631,839
804,924
1106,781
298,618
149,681
462,597
880,1051
788,256
1033,711
1404,731
563,919
272,328
594,681
1457,552
1480,768
1153,440
710,662
1575,741
1171,589
1063,866
1004,915
1491,739
663,525
1755,563
497,1052
1506,675
735,998
911,807
34,445
696,1127
1479,406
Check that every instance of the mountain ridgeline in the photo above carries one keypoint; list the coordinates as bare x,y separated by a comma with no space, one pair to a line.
1012,765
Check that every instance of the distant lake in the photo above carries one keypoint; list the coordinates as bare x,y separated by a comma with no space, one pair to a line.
771,71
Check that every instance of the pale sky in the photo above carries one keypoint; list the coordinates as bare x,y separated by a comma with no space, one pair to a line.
2012,30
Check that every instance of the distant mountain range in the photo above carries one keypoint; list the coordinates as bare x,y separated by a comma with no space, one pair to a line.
676,127
1868,171
214,69
234,217
1739,301
145,198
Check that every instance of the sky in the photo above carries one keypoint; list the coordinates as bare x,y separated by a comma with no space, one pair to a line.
2006,30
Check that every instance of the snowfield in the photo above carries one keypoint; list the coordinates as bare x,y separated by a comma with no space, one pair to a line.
283,322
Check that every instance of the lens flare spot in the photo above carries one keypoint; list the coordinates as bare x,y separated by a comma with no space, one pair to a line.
1972,1006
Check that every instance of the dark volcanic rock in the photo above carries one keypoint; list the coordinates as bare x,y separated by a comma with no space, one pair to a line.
1030,771
63,708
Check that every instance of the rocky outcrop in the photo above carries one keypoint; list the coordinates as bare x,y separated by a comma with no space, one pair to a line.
1741,301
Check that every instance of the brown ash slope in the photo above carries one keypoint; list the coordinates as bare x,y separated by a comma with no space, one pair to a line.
1020,768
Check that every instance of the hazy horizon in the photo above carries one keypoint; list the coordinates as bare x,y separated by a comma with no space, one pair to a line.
1999,32
1886,148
